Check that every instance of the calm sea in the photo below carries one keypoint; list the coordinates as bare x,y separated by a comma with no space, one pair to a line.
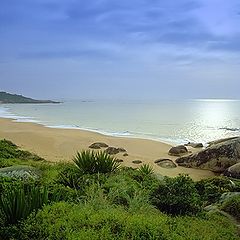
168,121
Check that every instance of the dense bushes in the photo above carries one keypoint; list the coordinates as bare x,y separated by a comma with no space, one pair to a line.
9,150
232,206
211,189
83,221
177,196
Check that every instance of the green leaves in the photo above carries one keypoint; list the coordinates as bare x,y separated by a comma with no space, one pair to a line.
89,162
17,203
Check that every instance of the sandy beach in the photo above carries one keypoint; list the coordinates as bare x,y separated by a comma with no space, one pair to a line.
59,145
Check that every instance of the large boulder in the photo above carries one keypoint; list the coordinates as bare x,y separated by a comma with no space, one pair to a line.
233,171
165,163
218,157
98,145
178,151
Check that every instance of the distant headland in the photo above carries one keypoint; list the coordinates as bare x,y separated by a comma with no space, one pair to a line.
14,98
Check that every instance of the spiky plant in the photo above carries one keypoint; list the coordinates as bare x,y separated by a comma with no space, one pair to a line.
146,169
89,162
17,203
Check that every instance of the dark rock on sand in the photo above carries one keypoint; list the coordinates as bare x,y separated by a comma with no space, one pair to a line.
119,160
114,150
165,163
122,150
136,161
233,171
218,157
194,145
178,151
125,154
98,145
21,172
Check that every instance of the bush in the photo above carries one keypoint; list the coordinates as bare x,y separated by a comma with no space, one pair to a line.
211,189
232,206
89,162
145,170
177,196
17,203
82,221
9,150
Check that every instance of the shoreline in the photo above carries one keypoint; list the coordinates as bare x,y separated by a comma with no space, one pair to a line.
60,145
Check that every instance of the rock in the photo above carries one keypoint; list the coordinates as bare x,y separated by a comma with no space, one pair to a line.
122,150
119,160
125,154
98,145
114,150
233,171
194,145
165,163
178,150
20,171
136,161
217,157
228,195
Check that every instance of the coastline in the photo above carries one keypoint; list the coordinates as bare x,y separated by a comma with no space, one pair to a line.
60,145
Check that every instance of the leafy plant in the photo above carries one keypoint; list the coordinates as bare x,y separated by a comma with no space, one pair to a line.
17,203
146,169
89,162
177,196
232,206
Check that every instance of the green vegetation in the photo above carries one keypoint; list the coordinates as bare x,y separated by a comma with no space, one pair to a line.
14,98
232,206
89,162
95,198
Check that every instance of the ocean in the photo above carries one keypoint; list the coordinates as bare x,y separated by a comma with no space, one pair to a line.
174,122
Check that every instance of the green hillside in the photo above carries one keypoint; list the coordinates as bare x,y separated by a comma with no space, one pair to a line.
14,98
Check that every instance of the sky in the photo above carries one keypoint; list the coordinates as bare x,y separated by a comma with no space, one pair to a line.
128,49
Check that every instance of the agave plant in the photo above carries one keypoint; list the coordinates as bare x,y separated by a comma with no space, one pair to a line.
89,162
146,169
17,203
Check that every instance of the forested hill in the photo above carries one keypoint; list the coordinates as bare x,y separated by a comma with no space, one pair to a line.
14,98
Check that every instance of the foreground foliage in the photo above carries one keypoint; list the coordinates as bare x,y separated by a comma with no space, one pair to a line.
95,198
84,221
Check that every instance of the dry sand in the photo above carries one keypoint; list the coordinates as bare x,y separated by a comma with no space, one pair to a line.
57,145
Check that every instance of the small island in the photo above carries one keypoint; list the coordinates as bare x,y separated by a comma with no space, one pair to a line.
14,98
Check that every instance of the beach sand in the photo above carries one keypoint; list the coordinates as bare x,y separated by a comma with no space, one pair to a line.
60,145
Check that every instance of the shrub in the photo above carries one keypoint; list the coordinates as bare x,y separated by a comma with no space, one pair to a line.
17,203
70,176
211,189
177,196
89,162
82,221
9,150
232,206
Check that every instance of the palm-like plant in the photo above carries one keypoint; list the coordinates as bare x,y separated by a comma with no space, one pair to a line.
17,203
89,162
146,169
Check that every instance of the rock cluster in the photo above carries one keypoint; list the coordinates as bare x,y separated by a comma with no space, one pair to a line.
218,157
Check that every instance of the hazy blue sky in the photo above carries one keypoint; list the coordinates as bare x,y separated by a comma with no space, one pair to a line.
120,48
